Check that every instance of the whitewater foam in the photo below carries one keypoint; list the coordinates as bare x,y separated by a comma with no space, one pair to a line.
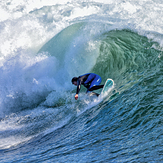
30,79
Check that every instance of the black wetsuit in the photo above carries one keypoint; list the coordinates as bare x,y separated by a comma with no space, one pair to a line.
91,81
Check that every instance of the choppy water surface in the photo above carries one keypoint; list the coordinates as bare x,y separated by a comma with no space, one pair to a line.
44,44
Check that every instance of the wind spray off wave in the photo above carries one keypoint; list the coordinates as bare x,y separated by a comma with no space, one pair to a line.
44,44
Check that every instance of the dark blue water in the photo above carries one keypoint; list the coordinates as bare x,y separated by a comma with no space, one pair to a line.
44,45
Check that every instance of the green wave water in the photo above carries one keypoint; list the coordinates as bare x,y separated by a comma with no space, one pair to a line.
40,120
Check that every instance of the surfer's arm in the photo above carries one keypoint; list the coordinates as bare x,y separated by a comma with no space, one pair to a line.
76,96
78,86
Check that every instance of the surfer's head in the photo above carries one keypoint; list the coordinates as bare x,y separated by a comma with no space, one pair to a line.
74,80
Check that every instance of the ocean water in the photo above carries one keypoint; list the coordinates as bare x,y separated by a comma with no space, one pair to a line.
44,44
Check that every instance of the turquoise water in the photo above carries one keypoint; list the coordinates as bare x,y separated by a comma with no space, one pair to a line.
44,44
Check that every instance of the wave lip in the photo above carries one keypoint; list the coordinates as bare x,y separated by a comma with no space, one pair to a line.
120,40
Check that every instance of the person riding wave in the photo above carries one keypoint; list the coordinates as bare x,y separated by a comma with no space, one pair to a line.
90,80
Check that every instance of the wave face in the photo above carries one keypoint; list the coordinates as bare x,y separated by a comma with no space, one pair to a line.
44,44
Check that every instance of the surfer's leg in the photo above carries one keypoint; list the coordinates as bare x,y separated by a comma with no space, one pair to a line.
96,87
93,93
96,81
95,84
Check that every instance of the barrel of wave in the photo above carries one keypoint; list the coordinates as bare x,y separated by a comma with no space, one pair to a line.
124,56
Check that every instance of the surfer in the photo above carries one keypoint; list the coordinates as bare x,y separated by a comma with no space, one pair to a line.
90,80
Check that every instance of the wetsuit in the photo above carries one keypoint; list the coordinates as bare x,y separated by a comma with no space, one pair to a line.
91,81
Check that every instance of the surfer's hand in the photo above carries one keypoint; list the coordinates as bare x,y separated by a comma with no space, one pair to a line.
76,96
